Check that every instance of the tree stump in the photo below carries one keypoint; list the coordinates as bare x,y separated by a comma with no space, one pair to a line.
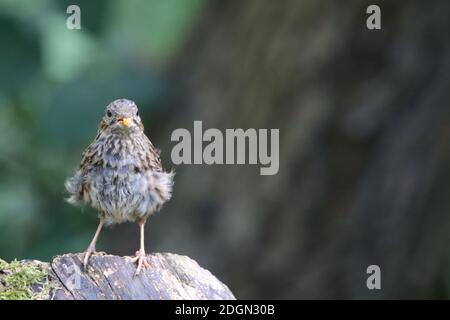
170,276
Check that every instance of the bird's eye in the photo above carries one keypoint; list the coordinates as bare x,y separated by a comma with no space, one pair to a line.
137,113
109,114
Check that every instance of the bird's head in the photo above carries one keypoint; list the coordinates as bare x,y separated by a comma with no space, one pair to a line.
122,116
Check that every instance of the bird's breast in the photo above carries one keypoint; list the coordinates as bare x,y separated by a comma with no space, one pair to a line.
123,185
118,191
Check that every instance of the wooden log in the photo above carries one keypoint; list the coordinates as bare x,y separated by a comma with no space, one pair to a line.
170,276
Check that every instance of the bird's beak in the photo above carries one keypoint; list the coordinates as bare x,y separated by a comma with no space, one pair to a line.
125,121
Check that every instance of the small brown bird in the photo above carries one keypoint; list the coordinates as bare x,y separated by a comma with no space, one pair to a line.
121,175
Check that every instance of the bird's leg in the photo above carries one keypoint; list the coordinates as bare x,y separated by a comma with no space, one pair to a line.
91,249
140,256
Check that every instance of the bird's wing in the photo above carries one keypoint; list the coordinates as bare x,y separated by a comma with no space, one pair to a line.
152,159
76,185
91,157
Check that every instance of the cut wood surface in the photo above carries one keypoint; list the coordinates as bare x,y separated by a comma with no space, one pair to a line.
170,276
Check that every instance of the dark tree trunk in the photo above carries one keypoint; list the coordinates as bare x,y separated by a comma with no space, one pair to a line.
364,148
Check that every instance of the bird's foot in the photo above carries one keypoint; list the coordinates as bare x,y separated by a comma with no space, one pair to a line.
141,260
88,253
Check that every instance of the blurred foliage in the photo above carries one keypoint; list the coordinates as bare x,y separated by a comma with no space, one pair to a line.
54,86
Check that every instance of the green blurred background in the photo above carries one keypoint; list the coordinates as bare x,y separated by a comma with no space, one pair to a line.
364,132
54,87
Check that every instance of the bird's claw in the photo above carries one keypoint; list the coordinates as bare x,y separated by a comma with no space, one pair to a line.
87,254
141,260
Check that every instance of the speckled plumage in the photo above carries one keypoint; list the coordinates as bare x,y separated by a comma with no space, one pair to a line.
120,173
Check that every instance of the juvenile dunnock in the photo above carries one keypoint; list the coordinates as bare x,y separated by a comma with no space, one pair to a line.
121,175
